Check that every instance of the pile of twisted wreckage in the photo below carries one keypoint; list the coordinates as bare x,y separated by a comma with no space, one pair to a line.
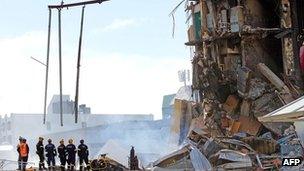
247,112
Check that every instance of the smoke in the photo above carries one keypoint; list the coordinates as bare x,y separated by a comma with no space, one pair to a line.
151,139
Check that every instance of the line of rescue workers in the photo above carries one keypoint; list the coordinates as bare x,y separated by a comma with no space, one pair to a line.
66,154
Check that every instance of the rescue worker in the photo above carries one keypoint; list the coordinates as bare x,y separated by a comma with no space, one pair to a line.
136,163
23,150
40,153
133,160
71,151
18,150
83,154
62,153
50,150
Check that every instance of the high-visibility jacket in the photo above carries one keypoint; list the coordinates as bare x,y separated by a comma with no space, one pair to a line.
24,150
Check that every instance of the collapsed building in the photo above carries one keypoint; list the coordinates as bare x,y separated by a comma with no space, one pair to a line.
246,73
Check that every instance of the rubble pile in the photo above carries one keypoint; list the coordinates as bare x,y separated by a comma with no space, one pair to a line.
106,163
245,66
232,141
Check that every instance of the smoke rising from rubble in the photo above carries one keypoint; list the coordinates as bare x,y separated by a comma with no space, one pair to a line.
151,139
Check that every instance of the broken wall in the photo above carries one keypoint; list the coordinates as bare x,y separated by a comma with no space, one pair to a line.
246,50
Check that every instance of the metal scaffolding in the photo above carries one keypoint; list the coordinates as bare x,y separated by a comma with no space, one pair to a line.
59,8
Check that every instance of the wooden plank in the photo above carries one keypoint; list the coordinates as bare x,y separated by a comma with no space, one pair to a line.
191,34
249,125
204,12
231,104
234,127
287,43
277,82
274,79
245,108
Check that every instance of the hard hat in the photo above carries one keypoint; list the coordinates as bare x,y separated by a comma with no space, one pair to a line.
20,138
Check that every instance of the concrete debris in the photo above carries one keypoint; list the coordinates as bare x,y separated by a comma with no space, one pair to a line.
211,147
245,66
265,104
106,163
199,161
257,88
243,78
231,155
261,145
277,82
187,158
268,162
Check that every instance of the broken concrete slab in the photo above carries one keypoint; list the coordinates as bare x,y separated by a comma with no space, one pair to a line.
261,145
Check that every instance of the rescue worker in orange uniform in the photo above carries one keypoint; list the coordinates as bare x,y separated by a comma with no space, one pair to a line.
23,150
18,150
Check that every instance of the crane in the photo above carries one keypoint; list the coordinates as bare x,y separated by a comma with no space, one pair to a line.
60,7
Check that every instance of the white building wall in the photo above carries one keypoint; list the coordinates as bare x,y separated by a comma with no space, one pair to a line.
30,126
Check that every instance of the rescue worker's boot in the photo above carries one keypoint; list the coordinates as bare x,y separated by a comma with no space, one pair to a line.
43,166
40,166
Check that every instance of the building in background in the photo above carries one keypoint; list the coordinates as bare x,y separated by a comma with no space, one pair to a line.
167,106
67,105
31,125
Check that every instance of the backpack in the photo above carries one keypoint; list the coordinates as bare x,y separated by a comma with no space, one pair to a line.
23,150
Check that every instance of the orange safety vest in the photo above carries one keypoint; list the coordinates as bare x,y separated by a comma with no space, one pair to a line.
23,150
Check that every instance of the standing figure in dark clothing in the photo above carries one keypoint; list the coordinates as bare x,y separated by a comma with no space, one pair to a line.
50,150
62,154
71,151
133,163
83,154
40,153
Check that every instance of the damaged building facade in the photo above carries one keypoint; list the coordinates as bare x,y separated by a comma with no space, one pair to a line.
246,72
246,58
